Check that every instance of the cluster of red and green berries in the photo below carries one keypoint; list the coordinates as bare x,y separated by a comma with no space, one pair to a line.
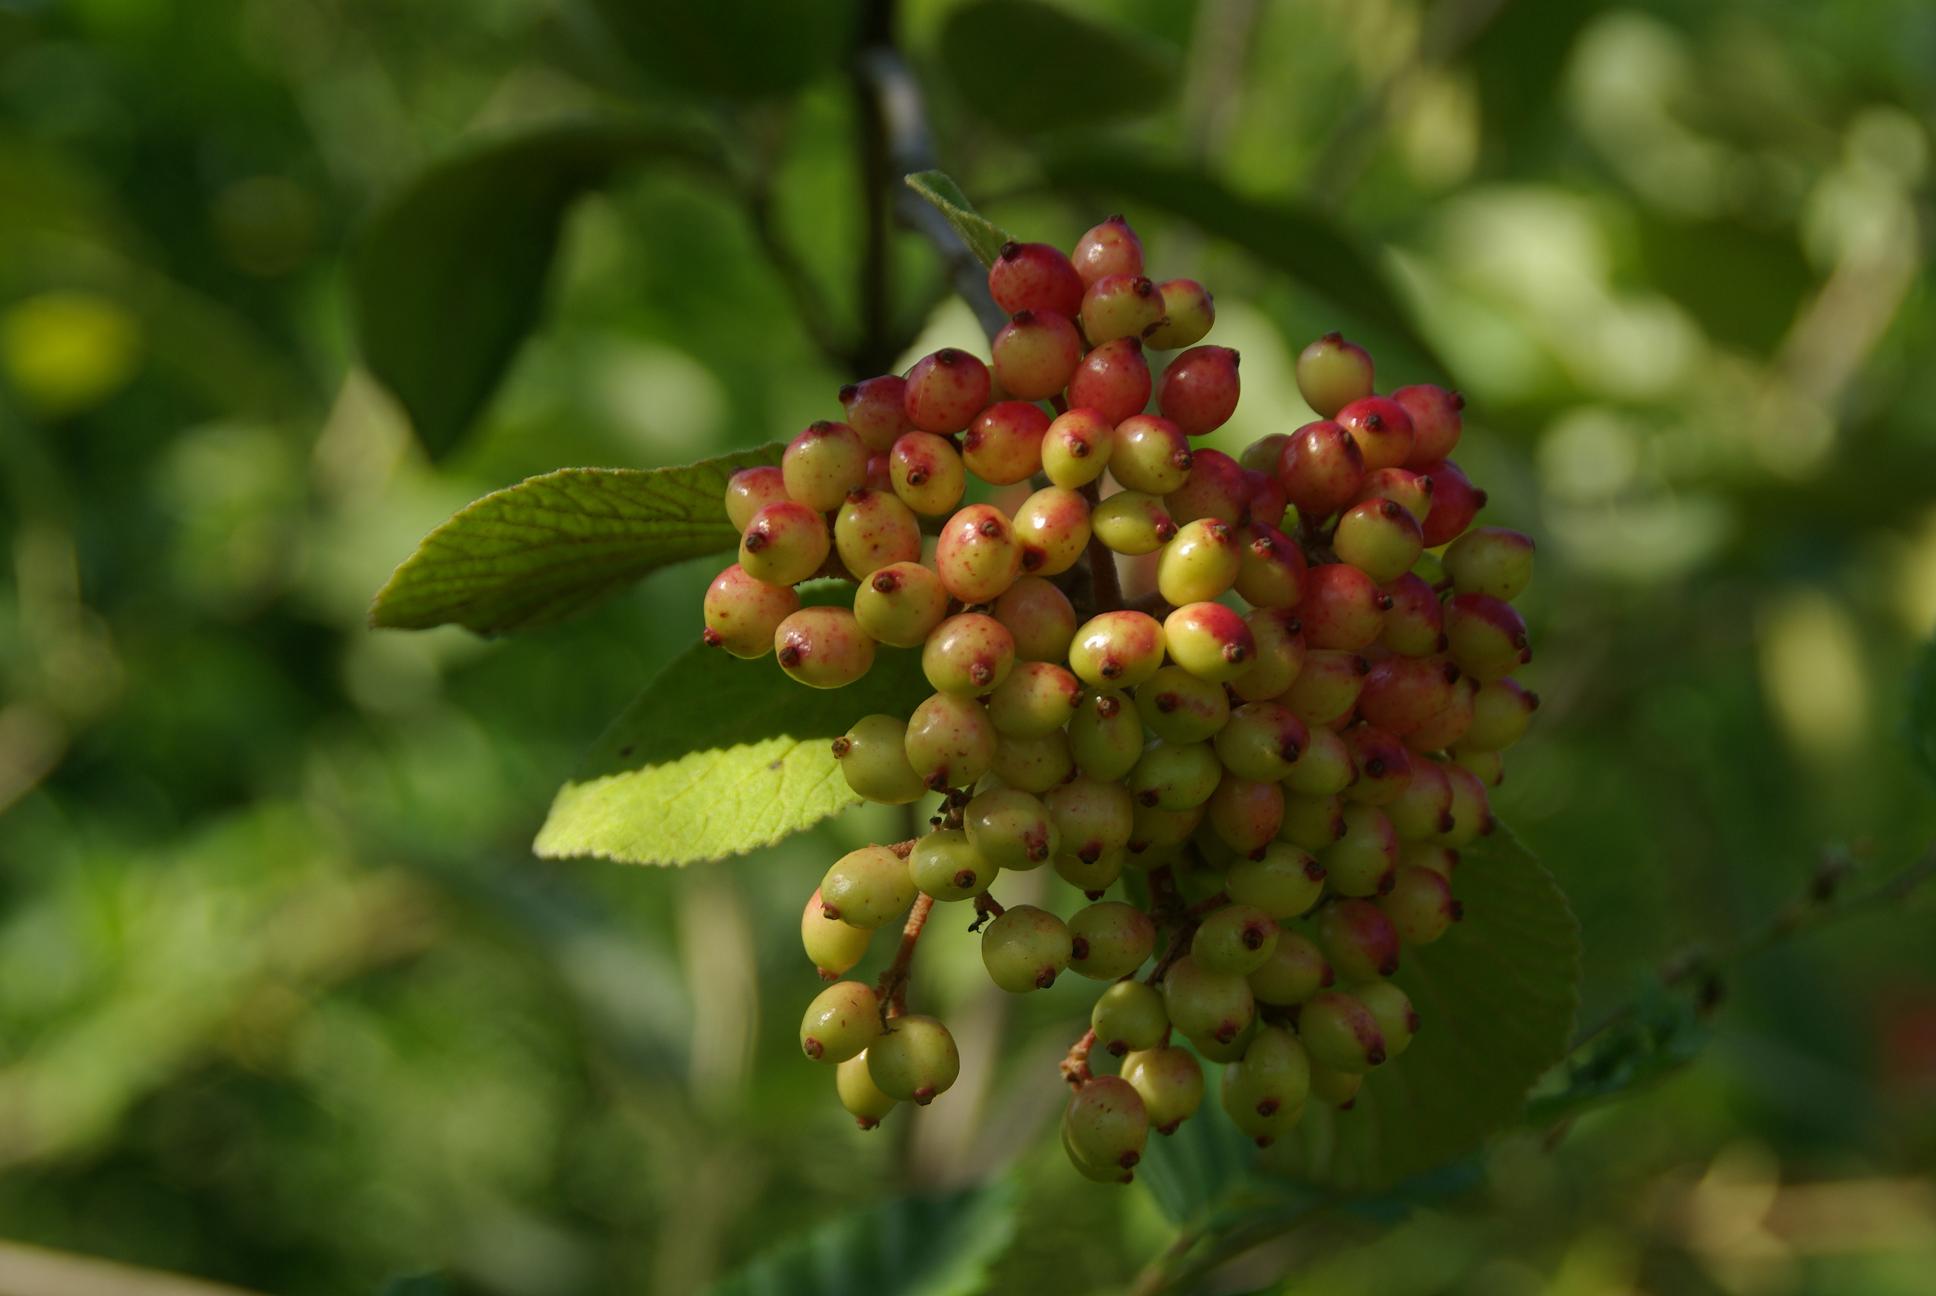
1283,744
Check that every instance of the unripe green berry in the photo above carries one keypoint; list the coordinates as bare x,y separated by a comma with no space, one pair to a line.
1490,560
977,554
1264,1092
1364,860
832,945
1110,939
751,489
1383,764
1358,939
1034,764
950,742
1120,306
1093,817
1337,1088
1312,822
1213,1005
1106,1122
1331,373
1380,538
1489,767
1011,829
1283,882
822,464
1199,389
1392,1009
1179,707
1106,736
1279,658
1423,808
867,887
1209,640
927,473
1245,814
1325,768
945,390
1004,443
1171,1083
1271,567
873,760
1076,448
1036,698
914,1059
841,1021
823,647
1025,948
946,865
1327,687
1501,711
969,655
859,1094
1471,812
1131,522
1154,829
1117,649
1036,354
1052,526
1188,313
1199,876
1094,1171
1339,1032
1262,741
1040,617
1420,905
874,529
784,544
1128,1016
1092,877
742,613
1294,972
901,604
1175,776
1234,940
1114,380
1149,454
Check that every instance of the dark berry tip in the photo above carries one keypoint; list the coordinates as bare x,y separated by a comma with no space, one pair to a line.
790,655
886,582
1079,948
755,541
1458,911
1022,317
1148,798
1375,767
1446,821
947,356
1267,1107
1374,422
1389,966
989,527
847,393
1479,499
1092,895
1458,400
965,878
1412,1020
858,495
1166,531
925,1094
1451,672
1090,852
812,1047
1166,702
1375,1057
1011,250
1254,938
1332,338
1360,666
711,637
1144,287
1532,700
1387,882
1234,653
820,427
917,476
1116,1048
1129,1159
1033,557
1107,707
842,746
1225,1032
1313,871
1390,508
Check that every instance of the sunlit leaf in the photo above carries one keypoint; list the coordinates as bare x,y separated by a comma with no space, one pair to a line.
1028,67
983,237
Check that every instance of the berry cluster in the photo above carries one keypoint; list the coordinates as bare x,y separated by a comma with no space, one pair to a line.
1283,745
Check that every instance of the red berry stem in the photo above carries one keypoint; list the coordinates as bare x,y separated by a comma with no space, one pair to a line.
1075,1066
892,988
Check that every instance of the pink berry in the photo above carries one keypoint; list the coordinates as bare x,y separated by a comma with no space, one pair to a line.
927,473
901,604
1215,488
1435,421
876,410
1036,354
1109,248
945,391
1199,390
1342,607
1487,637
823,647
742,613
1331,373
1052,527
784,543
1113,379
1188,313
1455,501
1004,443
1412,491
977,554
1382,429
1035,277
751,489
874,529
1415,622
1402,693
1321,469
1358,940
1120,305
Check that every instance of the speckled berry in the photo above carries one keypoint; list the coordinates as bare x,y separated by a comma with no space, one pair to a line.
1003,445
1035,277
1201,563
1331,373
867,887
1283,881
1025,948
1093,817
751,489
1199,390
946,865
1105,1124
945,390
875,409
1271,567
873,530
1129,1016
1106,735
969,654
1435,416
841,1021
901,604
1052,526
950,742
1119,306
1036,354
1113,379
1263,740
1040,617
742,613
1035,699
1150,454
1171,1083
873,760
1216,488
784,544
977,554
823,463
823,647
914,1059
927,473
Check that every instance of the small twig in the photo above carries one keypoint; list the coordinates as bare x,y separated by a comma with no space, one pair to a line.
892,989
808,300
1075,1066
986,907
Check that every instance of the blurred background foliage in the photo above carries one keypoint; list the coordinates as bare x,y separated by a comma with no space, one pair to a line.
286,1003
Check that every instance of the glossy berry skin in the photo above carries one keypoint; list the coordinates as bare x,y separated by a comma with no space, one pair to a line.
1414,624
1420,905
1471,814
1094,818
1455,501
1271,568
1262,741
1263,1093
1035,277
1036,354
1156,829
880,472
927,473
1105,1124
1402,693
1179,707
1490,560
1170,1081
1380,538
1106,249
1267,499
1501,711
1199,390
1326,688
867,887
1245,814
1321,469
977,554
950,742
1331,373
946,865
1209,641
1339,1032
751,489
823,647
1025,948
1489,767
1004,443
901,604
1312,822
1110,939
1324,769
875,409
1382,429
873,530
1363,862
1036,698
1200,563
1040,617
831,945
1129,1016
1106,737
1052,526
1234,940
1205,1004
1117,649
742,613
822,464
1279,637
945,390
842,1020
1295,971
859,1094
1336,1088
1150,454
1175,776
1411,491
784,544
1034,764
1113,379
1132,522
914,1059
1486,637
1076,448
1435,419
873,760
1011,829
1282,881
1216,488
1392,1009
1188,312
969,654
1358,940
1423,808
1119,306
1342,607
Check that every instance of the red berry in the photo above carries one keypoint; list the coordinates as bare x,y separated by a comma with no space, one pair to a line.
1109,248
1382,762
1358,940
1435,421
1120,305
1113,379
1487,637
880,472
876,409
1188,313
977,554
1215,488
1321,469
1199,390
1035,277
1412,491
927,473
945,391
1341,608
1402,693
1267,498
1382,429
1036,354
1331,373
1004,443
1414,623
1455,500
742,613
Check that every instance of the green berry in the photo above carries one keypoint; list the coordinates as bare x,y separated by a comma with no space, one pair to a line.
1120,306
1471,814
1380,537
1025,949
1034,764
859,1094
1279,656
1364,860
751,489
1092,877
1106,736
1489,767
1110,939
842,1020
1339,1032
1383,764
1200,563
1171,1083
832,945
1262,741
1245,814
867,887
914,1059
1040,617
873,760
1011,829
1264,1092
874,529
1327,687
784,544
1094,818
977,554
1149,453
742,613
1132,522
945,390
1358,939
1337,1088
1392,1009
1188,313
1420,906
946,865
1486,637
927,473
1114,380
1076,448
901,604
1209,640
1094,1171
1294,972
1179,707
1234,940
968,655
1213,1049
1106,1122
1490,560
1175,776
1270,567
1213,1005
1501,711
823,647
876,410
1155,829
1052,526
1312,822
822,464
1325,768
1036,354
1128,1016
1282,882
1004,443
1117,649
1423,807
950,742
1199,876
1037,698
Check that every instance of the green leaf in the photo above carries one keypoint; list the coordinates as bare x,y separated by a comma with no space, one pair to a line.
718,757
1011,61
428,1283
1497,996
550,546
983,237
1203,1166
734,49
1920,718
1294,239
916,1245
1661,1034
449,276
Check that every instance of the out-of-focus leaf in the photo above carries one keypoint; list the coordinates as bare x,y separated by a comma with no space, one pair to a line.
735,49
1300,242
417,1284
916,1245
1028,67
983,237
1662,1034
1921,716
550,546
1202,1166
449,276
718,757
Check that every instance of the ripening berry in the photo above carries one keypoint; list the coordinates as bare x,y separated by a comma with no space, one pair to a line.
977,554
1382,429
1036,698
1279,637
970,654
1342,607
823,647
1455,500
1094,1171
1325,768
1131,522
1435,417
1415,622
1327,687
1234,940
876,410
873,760
1294,972
1034,764
1156,829
880,472
1025,949
1420,905
945,390
1423,808
1175,776
751,489
1216,488
832,946
1113,380
1170,1081
1052,527
914,1059
1149,453
1110,939
1040,617
1283,881
1442,860
1117,649
1035,277
1262,741
1392,1009
1383,764
1471,813
1268,502
1106,1124
1380,538
867,887
1199,876
946,865
1188,313
1402,693
1331,373
927,472
822,464
1200,563
1489,767
1004,443
784,544
901,604
1092,877
1265,453
1120,306
1487,638
1501,710
1106,736
742,613
1129,1016
1109,248
1364,861
1270,573
873,530
1208,640
1036,354
1490,560
1409,490
1011,829
1358,940
1076,448
1312,822
1093,818
1245,814
1179,707
1340,1032
859,1094
1199,390
1337,1088
1321,469
840,1022
950,742
1205,1004
1263,1093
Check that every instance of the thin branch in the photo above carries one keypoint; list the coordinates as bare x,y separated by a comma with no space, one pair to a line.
1103,578
806,295
1075,1066
892,989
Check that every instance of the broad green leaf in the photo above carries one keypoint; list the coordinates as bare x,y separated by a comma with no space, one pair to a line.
553,545
718,757
1294,239
734,49
913,1245
1204,1166
1012,62
449,276
1920,718
1661,1034
983,237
